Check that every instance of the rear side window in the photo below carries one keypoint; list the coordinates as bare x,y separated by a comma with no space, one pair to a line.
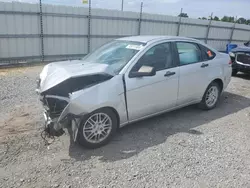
207,54
189,53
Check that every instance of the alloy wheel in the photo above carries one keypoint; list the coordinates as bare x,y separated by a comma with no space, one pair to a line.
212,96
97,128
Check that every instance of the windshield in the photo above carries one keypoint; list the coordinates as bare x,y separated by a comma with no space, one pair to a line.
116,53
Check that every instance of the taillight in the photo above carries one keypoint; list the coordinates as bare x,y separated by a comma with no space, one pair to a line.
230,62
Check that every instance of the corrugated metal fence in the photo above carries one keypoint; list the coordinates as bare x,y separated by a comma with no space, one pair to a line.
29,33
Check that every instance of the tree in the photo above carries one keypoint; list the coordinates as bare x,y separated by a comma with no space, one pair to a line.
242,21
216,18
227,19
224,19
231,19
183,15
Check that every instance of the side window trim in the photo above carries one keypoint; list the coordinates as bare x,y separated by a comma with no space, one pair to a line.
196,44
203,50
175,60
176,54
173,53
202,53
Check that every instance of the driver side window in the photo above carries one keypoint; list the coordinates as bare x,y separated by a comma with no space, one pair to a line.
159,57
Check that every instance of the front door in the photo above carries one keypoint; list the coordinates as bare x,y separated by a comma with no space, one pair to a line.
153,94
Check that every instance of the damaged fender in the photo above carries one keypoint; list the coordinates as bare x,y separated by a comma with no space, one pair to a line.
95,97
72,89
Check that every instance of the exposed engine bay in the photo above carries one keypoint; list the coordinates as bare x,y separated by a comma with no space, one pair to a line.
56,98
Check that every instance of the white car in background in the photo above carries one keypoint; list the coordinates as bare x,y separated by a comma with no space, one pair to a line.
127,80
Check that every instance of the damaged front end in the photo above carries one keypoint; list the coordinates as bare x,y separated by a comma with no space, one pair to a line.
53,107
58,85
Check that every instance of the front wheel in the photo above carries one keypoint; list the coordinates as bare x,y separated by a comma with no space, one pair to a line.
211,96
97,128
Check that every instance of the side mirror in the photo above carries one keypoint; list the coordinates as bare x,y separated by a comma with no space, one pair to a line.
143,71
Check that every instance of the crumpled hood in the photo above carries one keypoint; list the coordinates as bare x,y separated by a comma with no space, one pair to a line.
241,49
55,73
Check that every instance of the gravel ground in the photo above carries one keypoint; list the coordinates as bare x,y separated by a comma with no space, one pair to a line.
184,148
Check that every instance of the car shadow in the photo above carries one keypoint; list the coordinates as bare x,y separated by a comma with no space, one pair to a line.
134,138
243,76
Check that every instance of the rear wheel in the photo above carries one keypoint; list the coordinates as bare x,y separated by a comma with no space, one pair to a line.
211,96
97,128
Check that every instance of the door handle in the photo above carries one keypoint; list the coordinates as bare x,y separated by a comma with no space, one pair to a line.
169,73
204,65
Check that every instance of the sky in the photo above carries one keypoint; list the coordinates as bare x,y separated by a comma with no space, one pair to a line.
194,8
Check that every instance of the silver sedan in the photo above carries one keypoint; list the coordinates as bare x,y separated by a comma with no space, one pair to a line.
127,80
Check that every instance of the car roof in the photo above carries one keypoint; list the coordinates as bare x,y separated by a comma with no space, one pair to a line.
154,38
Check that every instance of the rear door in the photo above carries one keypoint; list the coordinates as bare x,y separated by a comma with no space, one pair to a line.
219,65
194,72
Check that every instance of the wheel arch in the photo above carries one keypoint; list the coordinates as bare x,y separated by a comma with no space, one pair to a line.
82,139
113,110
219,82
202,104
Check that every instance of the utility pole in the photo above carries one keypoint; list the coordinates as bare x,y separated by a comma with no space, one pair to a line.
89,26
41,29
208,27
139,28
122,5
232,32
179,24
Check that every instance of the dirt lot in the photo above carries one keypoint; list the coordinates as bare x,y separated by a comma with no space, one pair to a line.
184,148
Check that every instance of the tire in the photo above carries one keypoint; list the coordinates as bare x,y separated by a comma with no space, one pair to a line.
205,104
234,72
93,130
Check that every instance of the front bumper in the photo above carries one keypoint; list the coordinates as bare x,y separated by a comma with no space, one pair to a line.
241,67
54,112
52,127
